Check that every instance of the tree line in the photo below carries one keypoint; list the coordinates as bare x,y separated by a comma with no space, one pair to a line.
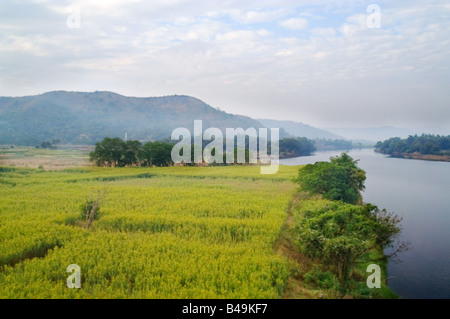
327,145
115,152
293,147
53,145
424,144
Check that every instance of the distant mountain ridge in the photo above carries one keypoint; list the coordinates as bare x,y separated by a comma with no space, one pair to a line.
87,117
300,130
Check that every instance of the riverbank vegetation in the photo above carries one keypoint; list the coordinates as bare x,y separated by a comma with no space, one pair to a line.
429,147
338,179
294,147
338,231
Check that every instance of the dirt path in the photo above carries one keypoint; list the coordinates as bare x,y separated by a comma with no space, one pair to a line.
285,245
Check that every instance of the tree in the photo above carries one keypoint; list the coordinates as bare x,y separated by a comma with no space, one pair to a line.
130,152
108,152
46,145
145,154
90,210
339,179
156,153
339,234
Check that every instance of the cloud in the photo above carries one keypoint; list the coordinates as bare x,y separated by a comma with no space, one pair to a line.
241,57
295,23
324,32
257,16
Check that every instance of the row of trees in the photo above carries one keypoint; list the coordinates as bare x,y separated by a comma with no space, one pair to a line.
326,145
116,152
343,232
300,146
53,145
424,144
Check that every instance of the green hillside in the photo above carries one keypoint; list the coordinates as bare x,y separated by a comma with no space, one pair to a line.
85,118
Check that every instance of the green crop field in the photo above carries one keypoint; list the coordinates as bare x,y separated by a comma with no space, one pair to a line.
176,232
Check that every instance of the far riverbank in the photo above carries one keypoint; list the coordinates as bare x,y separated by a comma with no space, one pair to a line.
419,156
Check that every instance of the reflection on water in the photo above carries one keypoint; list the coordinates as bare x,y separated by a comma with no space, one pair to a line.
419,192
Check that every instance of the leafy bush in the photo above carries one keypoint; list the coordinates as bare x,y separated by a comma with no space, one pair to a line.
339,179
340,234
321,279
90,208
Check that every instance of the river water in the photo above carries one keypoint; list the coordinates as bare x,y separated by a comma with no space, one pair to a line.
418,191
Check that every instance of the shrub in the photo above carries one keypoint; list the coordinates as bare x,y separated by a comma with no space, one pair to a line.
339,179
321,279
339,234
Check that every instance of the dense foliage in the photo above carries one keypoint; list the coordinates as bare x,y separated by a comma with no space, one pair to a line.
326,145
339,179
424,144
116,152
300,146
50,145
341,234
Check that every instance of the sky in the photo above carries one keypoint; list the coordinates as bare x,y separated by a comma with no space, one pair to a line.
325,63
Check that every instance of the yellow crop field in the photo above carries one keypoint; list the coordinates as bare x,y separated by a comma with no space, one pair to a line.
175,232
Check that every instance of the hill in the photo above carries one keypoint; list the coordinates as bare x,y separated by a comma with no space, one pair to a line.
300,129
85,118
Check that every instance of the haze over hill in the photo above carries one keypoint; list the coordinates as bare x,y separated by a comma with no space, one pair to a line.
300,129
85,118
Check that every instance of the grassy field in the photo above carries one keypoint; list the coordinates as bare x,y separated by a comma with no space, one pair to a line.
31,157
178,232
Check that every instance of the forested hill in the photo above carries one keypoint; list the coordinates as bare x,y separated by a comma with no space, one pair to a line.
417,147
85,118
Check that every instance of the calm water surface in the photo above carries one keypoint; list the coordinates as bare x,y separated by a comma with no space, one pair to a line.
419,191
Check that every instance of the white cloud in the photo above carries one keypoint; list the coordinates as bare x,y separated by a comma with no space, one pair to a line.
257,16
295,23
324,32
284,53
236,56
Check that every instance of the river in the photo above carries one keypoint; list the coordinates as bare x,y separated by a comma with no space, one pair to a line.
418,191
